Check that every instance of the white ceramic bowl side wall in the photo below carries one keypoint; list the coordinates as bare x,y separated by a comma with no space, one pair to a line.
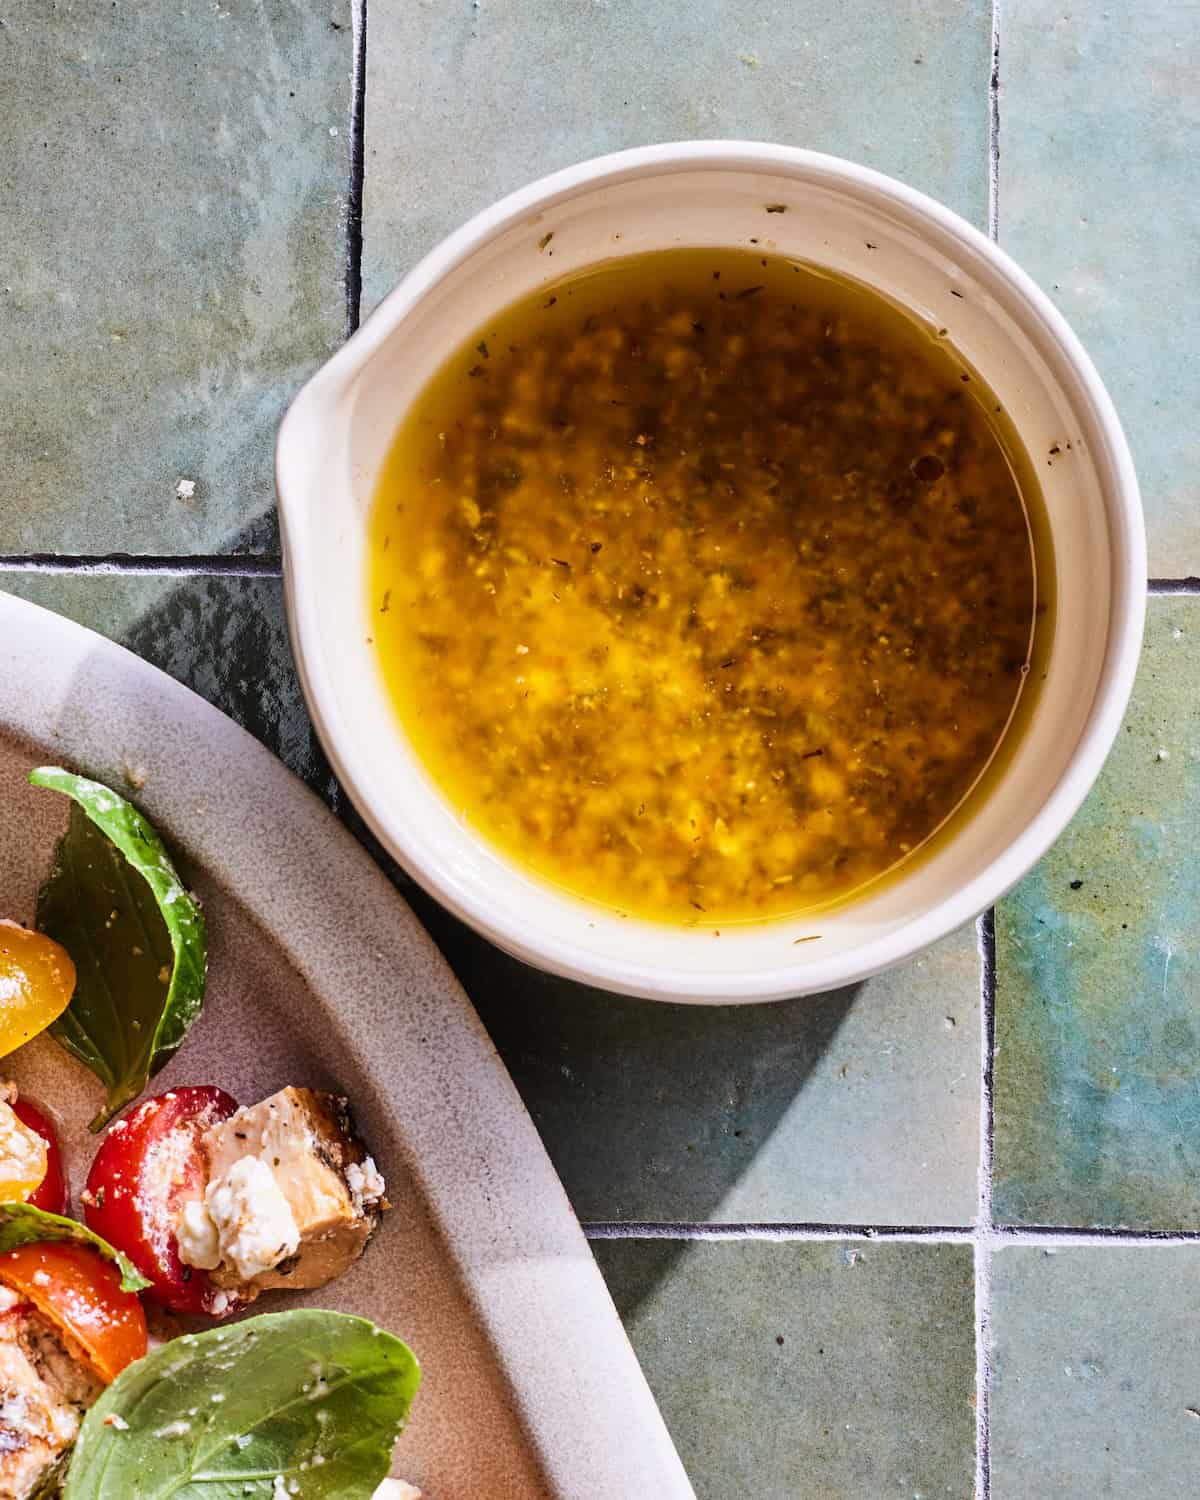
337,433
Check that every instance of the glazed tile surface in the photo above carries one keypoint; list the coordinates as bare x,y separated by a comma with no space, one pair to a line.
1100,201
1098,1041
856,1107
172,204
468,101
179,232
835,1371
1096,1372
225,638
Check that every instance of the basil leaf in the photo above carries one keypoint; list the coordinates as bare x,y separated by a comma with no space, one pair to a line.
23,1224
313,1397
115,902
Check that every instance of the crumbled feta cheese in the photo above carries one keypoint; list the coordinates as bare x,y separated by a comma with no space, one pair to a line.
255,1225
365,1182
14,1411
115,1419
196,1235
396,1489
186,489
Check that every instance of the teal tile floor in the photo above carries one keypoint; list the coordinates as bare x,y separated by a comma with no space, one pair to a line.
173,219
1097,1070
936,1236
838,1369
465,102
1095,1371
1100,201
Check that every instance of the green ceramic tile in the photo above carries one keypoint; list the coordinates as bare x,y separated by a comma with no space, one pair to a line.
172,256
1100,200
1096,1372
467,99
855,1107
796,1371
1097,1074
224,637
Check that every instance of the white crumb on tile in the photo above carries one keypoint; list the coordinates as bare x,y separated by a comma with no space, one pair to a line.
186,489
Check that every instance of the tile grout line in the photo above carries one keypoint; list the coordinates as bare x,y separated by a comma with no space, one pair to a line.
1162,586
792,1233
269,565
986,928
228,565
1032,1236
354,197
985,1227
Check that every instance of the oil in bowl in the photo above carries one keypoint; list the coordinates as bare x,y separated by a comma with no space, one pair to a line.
704,584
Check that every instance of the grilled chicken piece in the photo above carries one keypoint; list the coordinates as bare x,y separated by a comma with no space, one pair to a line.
44,1394
292,1196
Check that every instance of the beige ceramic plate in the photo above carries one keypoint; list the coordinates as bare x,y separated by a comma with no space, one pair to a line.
321,975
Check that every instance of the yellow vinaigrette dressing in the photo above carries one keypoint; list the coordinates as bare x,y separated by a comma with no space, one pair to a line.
703,584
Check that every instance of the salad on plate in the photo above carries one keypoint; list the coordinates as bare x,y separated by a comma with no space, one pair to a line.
128,1366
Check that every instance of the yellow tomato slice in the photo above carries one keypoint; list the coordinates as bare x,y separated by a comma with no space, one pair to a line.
37,980
22,1157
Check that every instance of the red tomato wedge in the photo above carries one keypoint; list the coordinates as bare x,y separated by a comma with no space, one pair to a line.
51,1193
80,1293
148,1167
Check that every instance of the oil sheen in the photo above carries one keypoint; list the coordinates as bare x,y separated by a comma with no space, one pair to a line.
703,584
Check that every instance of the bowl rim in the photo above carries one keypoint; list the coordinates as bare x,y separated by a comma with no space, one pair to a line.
1031,309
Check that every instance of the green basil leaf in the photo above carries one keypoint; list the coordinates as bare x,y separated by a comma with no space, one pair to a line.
115,902
314,1398
23,1224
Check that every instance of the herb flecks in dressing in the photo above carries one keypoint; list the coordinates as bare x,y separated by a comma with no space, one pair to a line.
709,592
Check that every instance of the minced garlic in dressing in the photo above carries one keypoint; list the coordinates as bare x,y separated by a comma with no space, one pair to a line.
703,584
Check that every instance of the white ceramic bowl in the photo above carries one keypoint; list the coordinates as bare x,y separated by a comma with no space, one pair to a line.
334,439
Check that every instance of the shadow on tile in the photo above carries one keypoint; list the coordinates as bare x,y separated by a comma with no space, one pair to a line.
652,1112
858,1106
223,637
